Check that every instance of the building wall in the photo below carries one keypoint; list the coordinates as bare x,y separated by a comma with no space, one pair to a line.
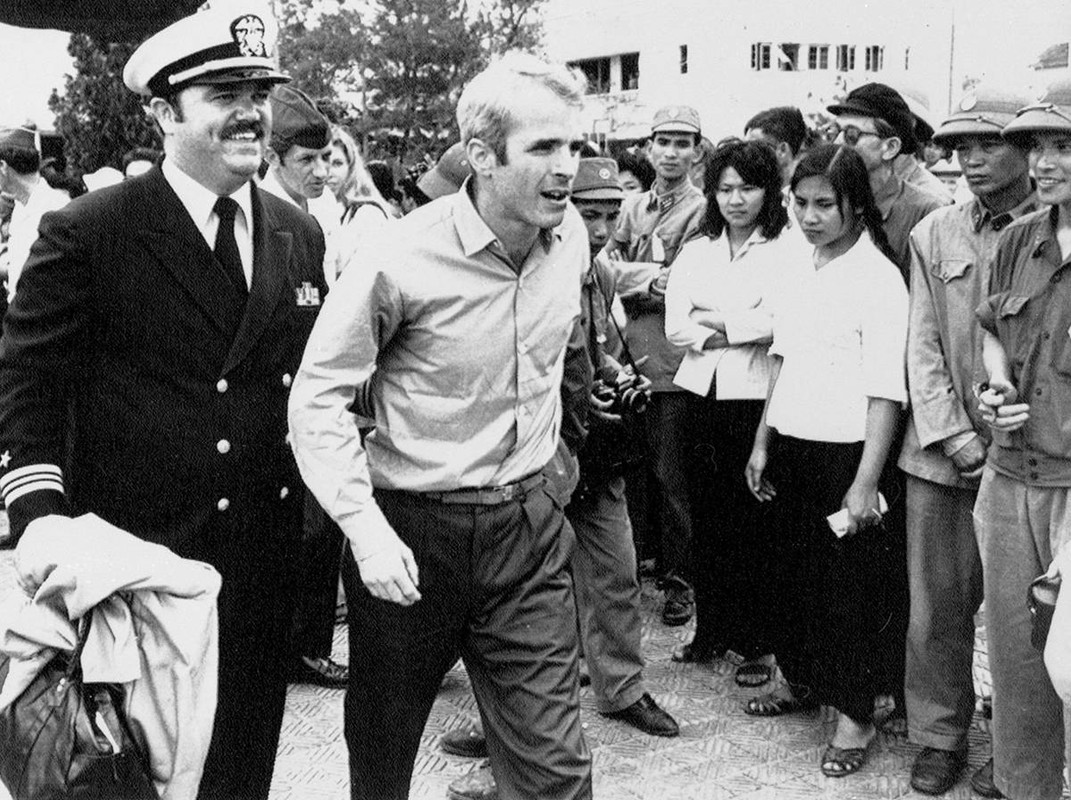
720,81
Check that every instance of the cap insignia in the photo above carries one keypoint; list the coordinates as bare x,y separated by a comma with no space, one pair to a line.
968,102
604,173
248,33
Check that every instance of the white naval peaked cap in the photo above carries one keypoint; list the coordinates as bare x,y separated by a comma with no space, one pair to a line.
225,44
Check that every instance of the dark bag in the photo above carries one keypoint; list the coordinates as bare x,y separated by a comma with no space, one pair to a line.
62,738
1041,600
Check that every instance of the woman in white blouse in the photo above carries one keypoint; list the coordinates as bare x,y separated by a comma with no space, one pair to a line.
835,396
718,306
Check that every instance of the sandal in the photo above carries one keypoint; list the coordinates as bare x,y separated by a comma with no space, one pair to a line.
838,762
772,704
751,674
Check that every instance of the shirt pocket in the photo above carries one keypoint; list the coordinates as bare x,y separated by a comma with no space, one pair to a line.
950,269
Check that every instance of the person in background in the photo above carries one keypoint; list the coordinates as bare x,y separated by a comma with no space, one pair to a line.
20,179
718,306
1022,517
147,355
946,439
450,171
821,448
300,149
458,545
350,183
652,228
383,179
637,174
784,129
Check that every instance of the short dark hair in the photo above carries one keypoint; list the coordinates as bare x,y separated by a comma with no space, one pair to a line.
24,160
847,174
383,178
154,157
757,164
783,123
638,165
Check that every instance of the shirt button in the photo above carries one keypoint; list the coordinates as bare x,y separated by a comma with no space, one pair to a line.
1037,392
221,386
223,504
1032,462
1055,278
1033,476
284,492
223,446
287,380
1046,335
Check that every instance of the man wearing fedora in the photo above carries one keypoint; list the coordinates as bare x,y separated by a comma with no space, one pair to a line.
946,439
147,357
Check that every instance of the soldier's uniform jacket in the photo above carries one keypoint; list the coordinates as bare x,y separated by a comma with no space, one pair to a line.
137,380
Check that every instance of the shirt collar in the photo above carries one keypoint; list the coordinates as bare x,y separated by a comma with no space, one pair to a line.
473,231
888,193
656,201
200,201
982,216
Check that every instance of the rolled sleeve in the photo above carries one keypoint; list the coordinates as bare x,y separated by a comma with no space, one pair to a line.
359,317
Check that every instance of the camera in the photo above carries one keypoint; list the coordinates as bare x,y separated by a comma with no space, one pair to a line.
626,401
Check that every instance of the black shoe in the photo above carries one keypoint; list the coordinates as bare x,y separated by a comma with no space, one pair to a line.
646,715
680,601
982,782
320,672
468,741
936,771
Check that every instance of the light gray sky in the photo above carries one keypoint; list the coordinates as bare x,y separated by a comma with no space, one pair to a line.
994,40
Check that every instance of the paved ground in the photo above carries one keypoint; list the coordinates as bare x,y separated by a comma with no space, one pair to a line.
721,753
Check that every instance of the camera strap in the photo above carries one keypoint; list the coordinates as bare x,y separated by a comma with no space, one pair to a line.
626,354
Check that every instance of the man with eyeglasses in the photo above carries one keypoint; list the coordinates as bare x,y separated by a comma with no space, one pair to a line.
877,123
946,440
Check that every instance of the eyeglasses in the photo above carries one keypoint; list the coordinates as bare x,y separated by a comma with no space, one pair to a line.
851,133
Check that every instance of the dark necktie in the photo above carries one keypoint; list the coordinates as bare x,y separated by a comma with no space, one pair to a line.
226,245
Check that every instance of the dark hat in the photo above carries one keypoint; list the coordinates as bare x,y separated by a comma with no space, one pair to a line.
448,173
597,179
983,110
881,102
18,137
297,120
222,45
1051,113
683,119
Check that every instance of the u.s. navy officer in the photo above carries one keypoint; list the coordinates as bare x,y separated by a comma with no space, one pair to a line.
146,363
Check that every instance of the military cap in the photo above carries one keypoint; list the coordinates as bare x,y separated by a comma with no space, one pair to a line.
597,179
982,110
227,44
297,120
881,102
1051,113
18,137
448,173
683,119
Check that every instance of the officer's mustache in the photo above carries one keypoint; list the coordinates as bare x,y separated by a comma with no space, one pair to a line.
243,127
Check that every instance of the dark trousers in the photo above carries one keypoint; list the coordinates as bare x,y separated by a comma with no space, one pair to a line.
658,495
732,538
496,590
842,602
316,592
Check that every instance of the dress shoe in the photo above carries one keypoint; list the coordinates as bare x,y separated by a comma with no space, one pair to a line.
936,771
679,605
466,741
477,785
320,672
646,715
982,782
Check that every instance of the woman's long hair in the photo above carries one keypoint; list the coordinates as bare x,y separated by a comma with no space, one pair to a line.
757,165
847,174
357,186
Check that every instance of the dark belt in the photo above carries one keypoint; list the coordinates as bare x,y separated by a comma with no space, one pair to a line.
488,495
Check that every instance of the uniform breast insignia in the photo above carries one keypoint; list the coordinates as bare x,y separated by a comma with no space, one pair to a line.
307,294
5,459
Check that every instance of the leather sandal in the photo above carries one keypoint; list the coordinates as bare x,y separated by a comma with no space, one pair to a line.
772,704
838,762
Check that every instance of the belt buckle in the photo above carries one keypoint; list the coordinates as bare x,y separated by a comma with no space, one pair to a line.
507,492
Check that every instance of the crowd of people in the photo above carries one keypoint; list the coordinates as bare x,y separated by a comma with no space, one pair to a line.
820,400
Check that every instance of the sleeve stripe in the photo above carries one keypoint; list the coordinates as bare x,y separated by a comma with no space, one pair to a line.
53,485
19,479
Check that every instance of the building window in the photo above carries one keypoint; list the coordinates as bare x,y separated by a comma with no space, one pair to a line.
875,58
818,56
907,59
760,55
630,71
597,71
684,59
845,57
788,57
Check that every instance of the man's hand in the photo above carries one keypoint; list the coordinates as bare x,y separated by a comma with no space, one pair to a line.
970,459
391,574
753,474
998,407
862,503
658,284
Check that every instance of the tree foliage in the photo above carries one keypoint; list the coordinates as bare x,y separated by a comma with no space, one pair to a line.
97,116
